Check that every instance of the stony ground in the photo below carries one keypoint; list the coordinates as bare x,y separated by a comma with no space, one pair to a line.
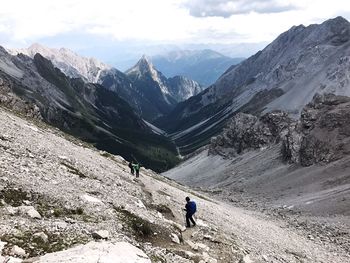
282,195
57,192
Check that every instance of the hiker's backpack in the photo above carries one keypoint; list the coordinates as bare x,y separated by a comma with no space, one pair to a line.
192,207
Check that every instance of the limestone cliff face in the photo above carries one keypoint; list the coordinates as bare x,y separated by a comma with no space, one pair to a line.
321,135
247,132
323,132
70,63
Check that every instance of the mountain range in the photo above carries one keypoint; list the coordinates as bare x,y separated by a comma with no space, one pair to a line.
70,63
86,110
267,157
204,66
285,75
145,88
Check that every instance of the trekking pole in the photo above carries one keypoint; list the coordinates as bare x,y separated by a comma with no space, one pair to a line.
184,214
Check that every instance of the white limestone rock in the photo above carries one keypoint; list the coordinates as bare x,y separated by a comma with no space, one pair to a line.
29,211
12,210
91,199
175,238
102,252
245,259
17,251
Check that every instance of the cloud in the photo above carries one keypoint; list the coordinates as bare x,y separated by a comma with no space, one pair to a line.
132,19
23,22
227,8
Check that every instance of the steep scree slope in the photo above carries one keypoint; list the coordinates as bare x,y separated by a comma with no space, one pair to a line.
81,194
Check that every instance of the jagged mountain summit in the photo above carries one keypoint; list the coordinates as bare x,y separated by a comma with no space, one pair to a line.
285,75
182,88
178,87
203,66
159,95
152,83
70,63
148,92
36,88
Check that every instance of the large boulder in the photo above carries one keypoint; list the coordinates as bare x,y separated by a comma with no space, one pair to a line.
102,252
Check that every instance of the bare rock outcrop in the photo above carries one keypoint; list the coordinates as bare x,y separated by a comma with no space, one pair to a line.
122,252
247,132
13,102
321,135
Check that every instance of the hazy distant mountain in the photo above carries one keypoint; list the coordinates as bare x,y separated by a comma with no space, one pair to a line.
152,84
182,88
159,95
203,66
86,110
70,63
148,92
285,75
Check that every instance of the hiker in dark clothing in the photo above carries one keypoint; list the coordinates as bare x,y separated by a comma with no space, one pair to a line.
137,167
131,166
190,209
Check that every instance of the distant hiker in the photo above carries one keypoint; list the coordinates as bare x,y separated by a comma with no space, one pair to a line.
131,166
137,167
191,209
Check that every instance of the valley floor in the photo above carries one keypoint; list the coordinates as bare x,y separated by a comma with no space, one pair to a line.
78,190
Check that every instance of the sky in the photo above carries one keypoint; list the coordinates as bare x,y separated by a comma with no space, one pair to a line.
136,24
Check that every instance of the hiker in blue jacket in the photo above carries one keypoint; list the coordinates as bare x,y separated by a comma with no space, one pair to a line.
190,209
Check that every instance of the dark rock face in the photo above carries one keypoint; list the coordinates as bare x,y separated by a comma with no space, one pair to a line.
322,134
11,101
156,94
246,132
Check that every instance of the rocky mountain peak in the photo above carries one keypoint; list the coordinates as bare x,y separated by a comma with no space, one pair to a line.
298,39
183,88
143,67
69,62
3,50
338,21
41,59
36,46
334,31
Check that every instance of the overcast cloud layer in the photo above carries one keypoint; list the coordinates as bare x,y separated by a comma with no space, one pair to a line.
175,22
224,8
